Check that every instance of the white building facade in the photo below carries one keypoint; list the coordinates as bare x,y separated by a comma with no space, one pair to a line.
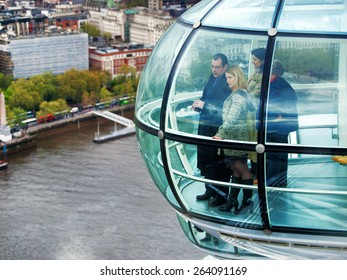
146,27
109,21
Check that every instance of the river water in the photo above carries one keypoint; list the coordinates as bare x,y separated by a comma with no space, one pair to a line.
70,198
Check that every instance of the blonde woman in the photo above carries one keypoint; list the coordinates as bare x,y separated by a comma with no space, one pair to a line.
234,114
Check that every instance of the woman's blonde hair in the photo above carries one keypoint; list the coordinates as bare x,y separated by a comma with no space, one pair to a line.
240,77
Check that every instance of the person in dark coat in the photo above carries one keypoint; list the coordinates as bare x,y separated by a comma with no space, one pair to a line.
209,159
282,118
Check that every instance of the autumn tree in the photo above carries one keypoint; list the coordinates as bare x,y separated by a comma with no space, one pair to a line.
46,85
104,95
126,82
88,98
95,80
51,107
74,86
23,94
16,115
81,86
71,86
104,78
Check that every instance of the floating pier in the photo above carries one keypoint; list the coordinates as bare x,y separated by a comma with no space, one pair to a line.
129,127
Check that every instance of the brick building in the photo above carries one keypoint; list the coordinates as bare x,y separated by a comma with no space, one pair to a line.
112,59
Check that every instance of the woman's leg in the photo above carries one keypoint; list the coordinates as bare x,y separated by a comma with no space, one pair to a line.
232,201
240,166
246,179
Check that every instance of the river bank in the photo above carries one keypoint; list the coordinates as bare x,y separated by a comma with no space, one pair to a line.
34,133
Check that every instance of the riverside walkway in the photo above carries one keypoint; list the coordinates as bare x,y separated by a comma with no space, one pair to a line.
76,118
29,138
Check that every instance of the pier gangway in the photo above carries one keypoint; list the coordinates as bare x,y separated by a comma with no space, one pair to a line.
128,129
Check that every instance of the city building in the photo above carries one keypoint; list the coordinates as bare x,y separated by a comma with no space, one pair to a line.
95,5
34,40
155,5
110,21
140,25
147,26
112,59
67,21
144,25
56,53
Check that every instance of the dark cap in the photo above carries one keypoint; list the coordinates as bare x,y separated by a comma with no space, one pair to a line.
259,53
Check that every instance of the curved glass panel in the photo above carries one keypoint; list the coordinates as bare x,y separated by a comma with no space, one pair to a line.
312,195
302,16
212,244
158,67
149,114
198,11
150,151
307,93
200,75
242,14
192,180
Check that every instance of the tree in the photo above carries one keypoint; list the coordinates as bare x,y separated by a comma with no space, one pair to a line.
95,80
104,78
108,36
52,107
81,86
126,82
199,71
104,95
88,98
16,115
316,62
46,85
92,30
23,94
5,81
72,86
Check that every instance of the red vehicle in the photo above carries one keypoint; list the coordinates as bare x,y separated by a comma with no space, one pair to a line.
46,118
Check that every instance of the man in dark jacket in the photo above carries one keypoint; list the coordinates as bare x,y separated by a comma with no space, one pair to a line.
210,160
282,118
